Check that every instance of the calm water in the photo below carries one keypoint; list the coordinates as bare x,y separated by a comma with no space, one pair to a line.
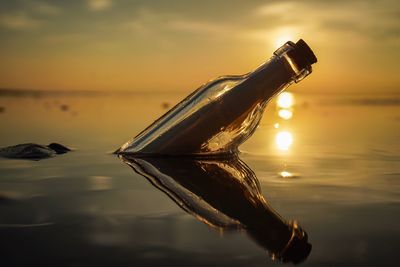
333,167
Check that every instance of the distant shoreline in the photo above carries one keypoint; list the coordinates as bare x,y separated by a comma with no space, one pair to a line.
38,93
24,92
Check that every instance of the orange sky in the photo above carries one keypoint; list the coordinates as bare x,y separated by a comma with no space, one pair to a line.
177,46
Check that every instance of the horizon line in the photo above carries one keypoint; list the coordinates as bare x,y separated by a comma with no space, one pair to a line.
34,92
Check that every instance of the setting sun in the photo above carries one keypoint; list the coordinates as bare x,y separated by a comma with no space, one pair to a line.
282,39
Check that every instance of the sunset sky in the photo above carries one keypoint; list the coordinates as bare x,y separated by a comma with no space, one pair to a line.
178,45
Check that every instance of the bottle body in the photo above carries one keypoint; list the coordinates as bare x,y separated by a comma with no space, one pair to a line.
221,115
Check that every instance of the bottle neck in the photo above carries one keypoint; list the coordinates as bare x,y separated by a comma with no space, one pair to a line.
288,65
299,57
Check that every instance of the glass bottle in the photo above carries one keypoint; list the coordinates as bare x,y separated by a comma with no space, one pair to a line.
219,116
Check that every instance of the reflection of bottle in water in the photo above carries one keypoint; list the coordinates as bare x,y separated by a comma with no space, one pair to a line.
225,193
222,114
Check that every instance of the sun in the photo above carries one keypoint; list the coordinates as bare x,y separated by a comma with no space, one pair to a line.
282,39
284,34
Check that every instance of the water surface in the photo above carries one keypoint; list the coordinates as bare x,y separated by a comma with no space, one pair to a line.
333,167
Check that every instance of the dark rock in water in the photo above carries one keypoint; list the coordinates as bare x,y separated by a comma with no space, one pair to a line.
58,148
33,151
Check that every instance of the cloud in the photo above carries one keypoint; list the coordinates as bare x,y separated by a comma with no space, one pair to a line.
280,8
194,26
99,5
31,15
66,38
149,21
45,9
19,22
364,19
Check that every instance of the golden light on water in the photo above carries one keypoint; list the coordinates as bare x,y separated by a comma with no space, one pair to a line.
284,140
285,174
285,114
285,100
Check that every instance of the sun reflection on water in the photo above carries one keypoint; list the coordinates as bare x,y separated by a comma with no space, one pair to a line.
285,114
285,174
284,136
284,140
285,100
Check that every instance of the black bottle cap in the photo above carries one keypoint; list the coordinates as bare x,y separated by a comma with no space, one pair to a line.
306,51
302,54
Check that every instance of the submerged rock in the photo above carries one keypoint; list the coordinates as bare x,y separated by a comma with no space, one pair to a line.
33,151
